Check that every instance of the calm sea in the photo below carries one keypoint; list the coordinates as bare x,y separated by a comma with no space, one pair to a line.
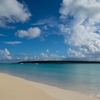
83,78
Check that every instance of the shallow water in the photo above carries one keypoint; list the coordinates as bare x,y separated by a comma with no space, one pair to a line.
84,78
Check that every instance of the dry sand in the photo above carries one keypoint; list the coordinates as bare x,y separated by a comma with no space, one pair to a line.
14,88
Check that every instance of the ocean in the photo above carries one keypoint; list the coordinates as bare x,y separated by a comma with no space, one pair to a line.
84,78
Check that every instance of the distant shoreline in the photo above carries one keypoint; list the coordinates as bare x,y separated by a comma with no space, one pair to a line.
58,62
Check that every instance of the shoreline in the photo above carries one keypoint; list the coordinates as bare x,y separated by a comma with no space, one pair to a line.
54,93
58,62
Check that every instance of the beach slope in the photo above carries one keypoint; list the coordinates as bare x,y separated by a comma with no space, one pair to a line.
14,88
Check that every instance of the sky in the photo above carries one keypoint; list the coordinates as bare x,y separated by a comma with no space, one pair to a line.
49,30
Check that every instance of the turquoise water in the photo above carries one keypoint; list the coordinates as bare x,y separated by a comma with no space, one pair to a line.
83,78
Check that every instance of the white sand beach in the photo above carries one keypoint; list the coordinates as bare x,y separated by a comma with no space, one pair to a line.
15,88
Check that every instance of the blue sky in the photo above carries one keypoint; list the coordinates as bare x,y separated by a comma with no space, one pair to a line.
49,30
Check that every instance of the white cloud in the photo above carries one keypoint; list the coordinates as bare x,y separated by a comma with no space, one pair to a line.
14,42
56,57
57,51
26,58
44,55
30,33
81,9
76,54
17,58
50,57
5,54
42,39
82,30
84,54
43,21
41,57
45,28
2,35
47,51
47,22
12,11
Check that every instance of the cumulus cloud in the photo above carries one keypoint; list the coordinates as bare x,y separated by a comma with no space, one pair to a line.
14,42
47,50
26,58
76,54
44,55
30,33
50,57
12,11
82,29
81,8
5,54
